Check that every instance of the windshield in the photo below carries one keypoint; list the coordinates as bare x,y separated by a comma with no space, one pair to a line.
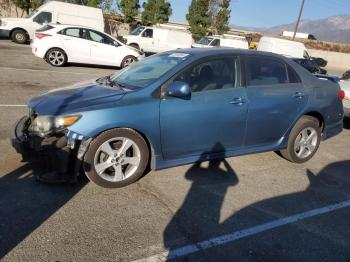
145,72
32,14
137,30
205,40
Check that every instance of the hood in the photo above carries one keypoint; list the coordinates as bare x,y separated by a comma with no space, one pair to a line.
81,96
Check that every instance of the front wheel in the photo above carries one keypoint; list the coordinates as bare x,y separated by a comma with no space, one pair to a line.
56,57
304,140
128,60
116,158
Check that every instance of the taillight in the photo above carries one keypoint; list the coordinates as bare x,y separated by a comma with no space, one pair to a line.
341,95
41,35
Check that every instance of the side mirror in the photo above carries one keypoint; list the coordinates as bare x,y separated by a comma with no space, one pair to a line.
116,43
179,89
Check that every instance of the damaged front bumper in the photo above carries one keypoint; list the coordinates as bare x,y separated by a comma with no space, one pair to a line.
62,152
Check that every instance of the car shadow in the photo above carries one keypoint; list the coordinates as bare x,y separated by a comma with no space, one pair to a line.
26,204
198,218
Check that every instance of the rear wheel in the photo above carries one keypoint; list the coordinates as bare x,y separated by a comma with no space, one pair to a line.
303,141
56,57
128,60
116,158
19,36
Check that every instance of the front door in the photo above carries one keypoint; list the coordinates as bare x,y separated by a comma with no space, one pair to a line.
276,99
147,40
213,119
103,49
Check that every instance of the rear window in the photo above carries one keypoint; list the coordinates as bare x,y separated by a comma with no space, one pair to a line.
265,71
293,76
45,28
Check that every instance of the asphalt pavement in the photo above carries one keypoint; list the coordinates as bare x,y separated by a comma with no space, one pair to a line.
257,207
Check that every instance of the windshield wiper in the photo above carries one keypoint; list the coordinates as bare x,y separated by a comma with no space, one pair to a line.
109,82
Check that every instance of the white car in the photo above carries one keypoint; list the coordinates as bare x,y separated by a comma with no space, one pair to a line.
233,41
345,86
61,44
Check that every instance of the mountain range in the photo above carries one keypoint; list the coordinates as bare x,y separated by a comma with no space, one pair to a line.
331,29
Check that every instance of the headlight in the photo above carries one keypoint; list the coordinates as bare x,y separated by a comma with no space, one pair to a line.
46,124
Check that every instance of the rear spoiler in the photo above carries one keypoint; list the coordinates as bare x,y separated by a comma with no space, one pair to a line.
334,79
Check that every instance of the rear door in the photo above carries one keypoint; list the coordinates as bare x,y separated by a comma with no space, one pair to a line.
75,43
103,49
276,99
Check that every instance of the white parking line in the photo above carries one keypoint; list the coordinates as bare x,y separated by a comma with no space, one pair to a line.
224,239
45,71
13,105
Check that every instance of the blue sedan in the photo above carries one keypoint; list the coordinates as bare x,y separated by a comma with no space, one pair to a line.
176,108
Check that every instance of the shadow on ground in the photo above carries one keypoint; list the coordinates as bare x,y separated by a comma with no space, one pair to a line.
25,204
198,218
347,123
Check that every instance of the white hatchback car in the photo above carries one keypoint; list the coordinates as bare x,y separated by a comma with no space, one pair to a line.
345,86
61,44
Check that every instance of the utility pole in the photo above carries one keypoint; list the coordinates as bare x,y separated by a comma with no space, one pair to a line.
298,21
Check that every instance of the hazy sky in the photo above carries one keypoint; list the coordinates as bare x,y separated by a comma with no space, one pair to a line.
266,13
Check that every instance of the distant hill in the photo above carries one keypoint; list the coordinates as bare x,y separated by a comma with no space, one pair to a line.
331,29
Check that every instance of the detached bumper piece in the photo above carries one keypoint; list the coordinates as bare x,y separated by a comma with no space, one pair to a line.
56,153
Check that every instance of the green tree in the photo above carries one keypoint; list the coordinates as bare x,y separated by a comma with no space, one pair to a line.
198,18
130,9
223,17
156,12
219,14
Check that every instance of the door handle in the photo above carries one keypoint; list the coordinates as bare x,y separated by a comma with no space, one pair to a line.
237,101
299,95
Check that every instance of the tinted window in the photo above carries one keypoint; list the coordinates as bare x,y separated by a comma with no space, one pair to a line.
43,17
148,33
216,42
100,38
293,76
265,71
216,74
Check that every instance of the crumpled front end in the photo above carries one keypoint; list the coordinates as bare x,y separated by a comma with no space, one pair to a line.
54,152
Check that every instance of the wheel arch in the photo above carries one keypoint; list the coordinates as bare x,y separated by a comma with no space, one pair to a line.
318,116
152,158
136,44
18,28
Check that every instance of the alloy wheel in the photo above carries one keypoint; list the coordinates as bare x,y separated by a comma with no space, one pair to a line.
56,58
128,61
117,159
306,142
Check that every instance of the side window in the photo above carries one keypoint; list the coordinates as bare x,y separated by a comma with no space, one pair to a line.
265,71
293,76
100,38
219,73
148,33
216,42
43,17
75,32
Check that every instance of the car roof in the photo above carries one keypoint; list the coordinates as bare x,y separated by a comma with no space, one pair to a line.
70,25
203,52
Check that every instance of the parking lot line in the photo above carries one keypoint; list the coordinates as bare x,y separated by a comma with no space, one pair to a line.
45,71
224,239
13,105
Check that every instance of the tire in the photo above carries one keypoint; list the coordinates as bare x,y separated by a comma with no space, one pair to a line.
128,60
135,46
19,36
56,57
303,141
108,165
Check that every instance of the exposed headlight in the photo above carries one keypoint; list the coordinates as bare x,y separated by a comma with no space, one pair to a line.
47,124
